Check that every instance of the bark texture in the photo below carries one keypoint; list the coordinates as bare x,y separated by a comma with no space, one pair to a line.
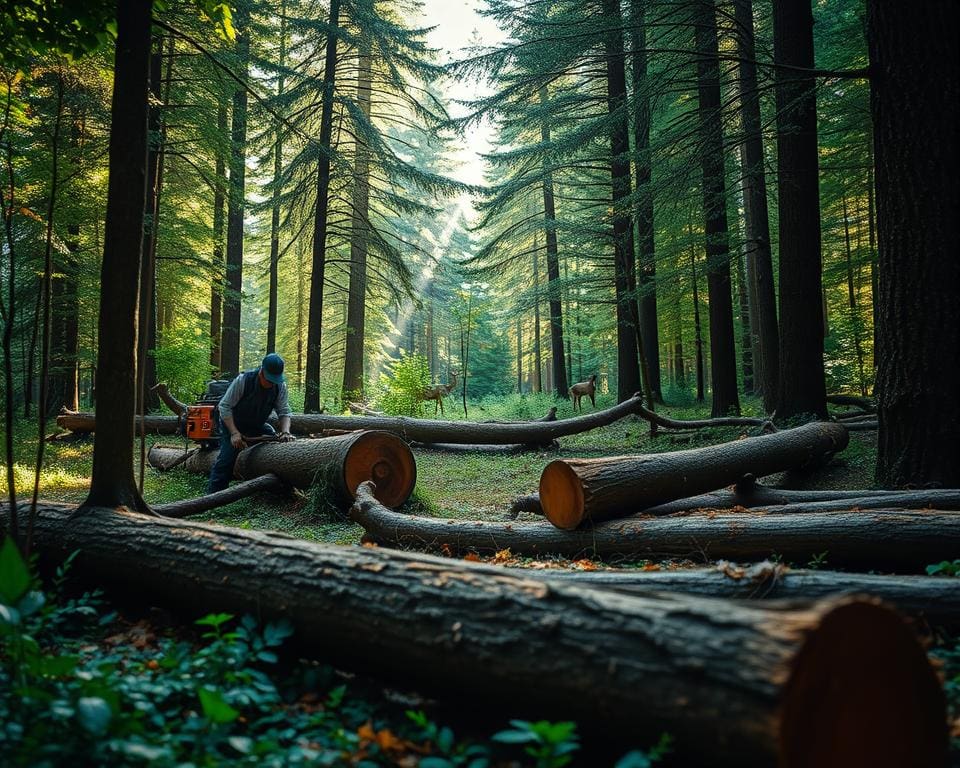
342,463
730,680
894,540
915,103
573,491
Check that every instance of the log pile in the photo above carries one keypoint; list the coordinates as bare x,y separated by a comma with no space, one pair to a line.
827,683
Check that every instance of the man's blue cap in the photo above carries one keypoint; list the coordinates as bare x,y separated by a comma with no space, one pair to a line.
272,367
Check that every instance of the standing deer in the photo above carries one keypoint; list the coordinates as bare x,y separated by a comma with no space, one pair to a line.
439,391
588,387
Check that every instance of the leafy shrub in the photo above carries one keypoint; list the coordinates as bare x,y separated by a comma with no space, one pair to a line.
402,388
944,568
183,361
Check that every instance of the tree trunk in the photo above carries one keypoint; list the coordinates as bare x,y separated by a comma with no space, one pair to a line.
359,234
852,299
759,261
698,334
723,360
537,384
218,266
624,263
558,368
341,463
112,483
935,601
647,296
230,330
881,539
746,338
802,388
914,87
785,681
417,430
277,181
311,401
573,491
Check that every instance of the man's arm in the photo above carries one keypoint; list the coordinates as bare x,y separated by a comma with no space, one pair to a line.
230,398
283,412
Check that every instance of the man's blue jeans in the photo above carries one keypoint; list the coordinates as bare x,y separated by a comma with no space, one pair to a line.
222,471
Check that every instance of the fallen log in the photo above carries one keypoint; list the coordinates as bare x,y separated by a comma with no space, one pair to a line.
863,403
935,600
833,683
575,490
861,426
498,450
692,424
229,495
890,540
413,430
341,462
364,410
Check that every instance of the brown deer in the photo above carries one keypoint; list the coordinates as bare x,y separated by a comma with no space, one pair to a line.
588,387
439,391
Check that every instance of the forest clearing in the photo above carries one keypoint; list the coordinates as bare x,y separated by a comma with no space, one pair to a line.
499,384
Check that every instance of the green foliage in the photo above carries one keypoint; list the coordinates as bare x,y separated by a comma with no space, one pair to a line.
551,745
448,752
944,568
183,361
402,388
640,759
818,561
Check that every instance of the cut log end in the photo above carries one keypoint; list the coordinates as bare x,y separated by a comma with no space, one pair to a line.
561,495
862,692
386,460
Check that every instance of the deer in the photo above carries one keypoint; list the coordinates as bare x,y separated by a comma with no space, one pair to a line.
439,391
588,387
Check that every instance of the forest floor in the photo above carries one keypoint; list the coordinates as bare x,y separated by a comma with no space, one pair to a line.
370,720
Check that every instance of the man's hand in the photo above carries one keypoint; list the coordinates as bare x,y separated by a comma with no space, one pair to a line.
285,437
237,441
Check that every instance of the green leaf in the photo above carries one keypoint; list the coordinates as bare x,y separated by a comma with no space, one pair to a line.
435,762
14,575
514,737
276,632
9,615
94,715
32,602
214,619
242,744
215,708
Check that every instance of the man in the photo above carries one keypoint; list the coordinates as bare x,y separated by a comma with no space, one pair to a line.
244,410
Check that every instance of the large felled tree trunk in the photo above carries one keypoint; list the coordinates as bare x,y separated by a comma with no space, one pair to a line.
112,483
881,539
915,102
311,401
723,359
342,463
573,491
732,682
802,388
415,430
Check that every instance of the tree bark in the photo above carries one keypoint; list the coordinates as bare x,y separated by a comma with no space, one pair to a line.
359,235
624,261
236,199
311,401
342,463
879,539
218,265
417,430
647,295
802,387
560,384
759,262
112,483
573,491
915,104
698,335
277,182
723,359
185,507
793,686
933,600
